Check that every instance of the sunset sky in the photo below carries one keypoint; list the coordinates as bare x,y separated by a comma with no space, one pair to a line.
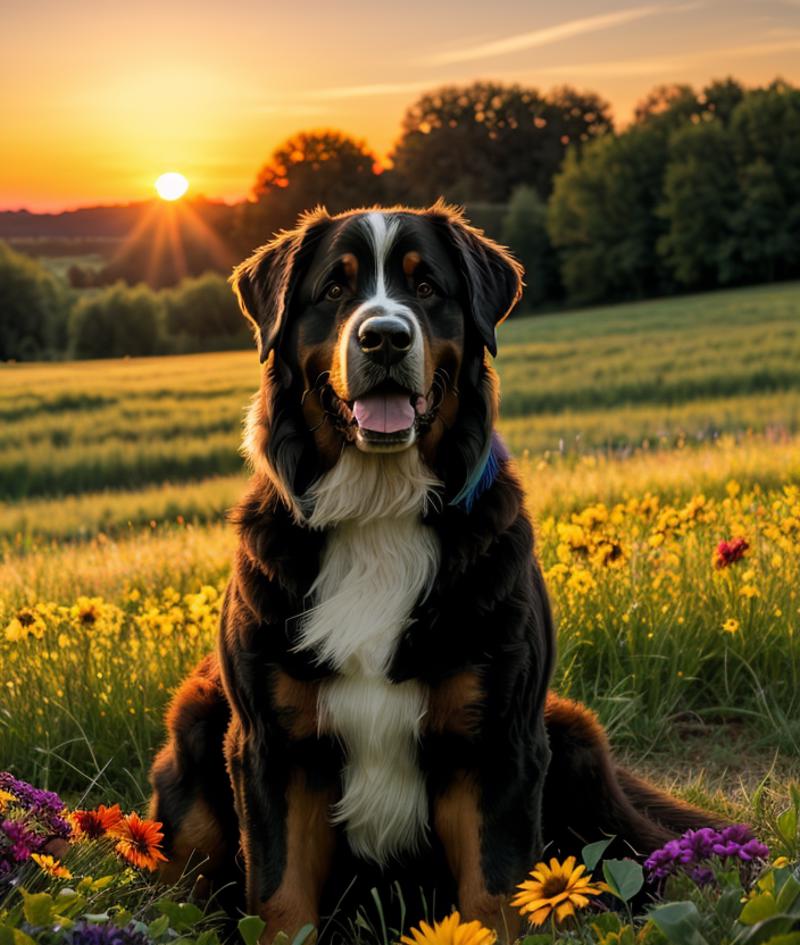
100,97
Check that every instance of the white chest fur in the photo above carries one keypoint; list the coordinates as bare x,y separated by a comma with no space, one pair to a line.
379,560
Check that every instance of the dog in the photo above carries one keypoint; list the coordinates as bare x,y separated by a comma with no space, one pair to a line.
377,709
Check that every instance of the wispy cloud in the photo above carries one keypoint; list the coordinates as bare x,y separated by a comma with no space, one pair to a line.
657,65
370,90
553,34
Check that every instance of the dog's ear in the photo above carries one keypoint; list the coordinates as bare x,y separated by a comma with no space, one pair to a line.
492,277
264,282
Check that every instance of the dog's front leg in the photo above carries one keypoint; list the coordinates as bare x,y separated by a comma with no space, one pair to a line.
489,823
286,836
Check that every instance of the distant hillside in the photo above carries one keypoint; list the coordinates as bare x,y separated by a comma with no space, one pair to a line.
107,222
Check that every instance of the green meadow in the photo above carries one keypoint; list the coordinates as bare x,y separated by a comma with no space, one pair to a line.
655,429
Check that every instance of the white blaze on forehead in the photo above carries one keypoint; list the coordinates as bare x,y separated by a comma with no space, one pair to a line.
382,233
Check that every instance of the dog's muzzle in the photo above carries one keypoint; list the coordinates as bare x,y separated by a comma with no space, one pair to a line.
385,377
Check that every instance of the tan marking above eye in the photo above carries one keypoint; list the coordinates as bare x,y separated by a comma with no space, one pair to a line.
350,266
410,262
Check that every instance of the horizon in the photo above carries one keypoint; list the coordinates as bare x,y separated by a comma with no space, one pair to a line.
201,95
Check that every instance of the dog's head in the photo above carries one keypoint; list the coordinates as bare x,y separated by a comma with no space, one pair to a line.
372,327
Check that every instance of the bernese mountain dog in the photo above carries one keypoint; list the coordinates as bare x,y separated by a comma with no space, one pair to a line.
376,714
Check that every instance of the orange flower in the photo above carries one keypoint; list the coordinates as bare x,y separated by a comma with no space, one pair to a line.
139,841
92,824
51,866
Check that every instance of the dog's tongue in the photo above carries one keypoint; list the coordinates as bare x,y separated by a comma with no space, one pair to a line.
384,413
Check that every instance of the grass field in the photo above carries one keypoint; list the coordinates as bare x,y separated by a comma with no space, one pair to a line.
645,435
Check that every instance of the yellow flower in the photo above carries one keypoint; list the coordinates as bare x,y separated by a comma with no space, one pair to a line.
51,866
5,797
749,591
450,931
27,623
581,581
731,625
559,888
733,488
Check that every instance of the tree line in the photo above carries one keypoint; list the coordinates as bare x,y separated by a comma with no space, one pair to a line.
41,317
701,189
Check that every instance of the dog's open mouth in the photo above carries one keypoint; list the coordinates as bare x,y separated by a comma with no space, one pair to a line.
386,416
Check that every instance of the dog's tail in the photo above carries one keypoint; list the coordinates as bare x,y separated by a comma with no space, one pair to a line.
587,796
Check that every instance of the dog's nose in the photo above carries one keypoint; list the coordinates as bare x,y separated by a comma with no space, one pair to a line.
385,338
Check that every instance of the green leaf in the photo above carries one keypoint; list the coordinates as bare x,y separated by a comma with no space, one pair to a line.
38,907
624,877
592,853
20,938
158,926
757,909
304,936
791,938
768,929
250,928
788,895
680,922
209,937
182,915
787,825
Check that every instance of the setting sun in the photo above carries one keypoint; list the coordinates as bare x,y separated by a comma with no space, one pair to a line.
171,186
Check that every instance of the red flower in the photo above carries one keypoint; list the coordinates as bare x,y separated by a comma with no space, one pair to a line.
92,824
140,842
729,552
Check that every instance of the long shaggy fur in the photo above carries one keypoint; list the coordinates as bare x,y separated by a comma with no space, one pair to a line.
377,710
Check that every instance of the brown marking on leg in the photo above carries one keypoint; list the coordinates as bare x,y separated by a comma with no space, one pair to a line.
454,706
458,824
198,841
296,702
309,850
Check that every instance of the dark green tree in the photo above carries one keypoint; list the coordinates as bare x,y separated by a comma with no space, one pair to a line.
204,310
477,143
701,194
117,321
525,233
34,308
602,216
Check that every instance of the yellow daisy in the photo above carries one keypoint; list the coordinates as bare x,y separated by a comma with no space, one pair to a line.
450,931
51,866
559,888
5,799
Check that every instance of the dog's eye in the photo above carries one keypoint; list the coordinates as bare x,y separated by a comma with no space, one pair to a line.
424,290
334,292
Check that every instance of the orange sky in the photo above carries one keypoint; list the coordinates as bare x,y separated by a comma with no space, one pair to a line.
100,97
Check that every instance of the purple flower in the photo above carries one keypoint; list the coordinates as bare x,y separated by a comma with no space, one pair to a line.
696,848
88,933
17,841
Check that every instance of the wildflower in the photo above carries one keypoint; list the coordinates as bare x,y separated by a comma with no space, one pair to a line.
90,933
749,591
559,888
729,552
450,931
731,625
27,623
581,581
696,848
140,841
6,797
92,824
51,866
87,611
